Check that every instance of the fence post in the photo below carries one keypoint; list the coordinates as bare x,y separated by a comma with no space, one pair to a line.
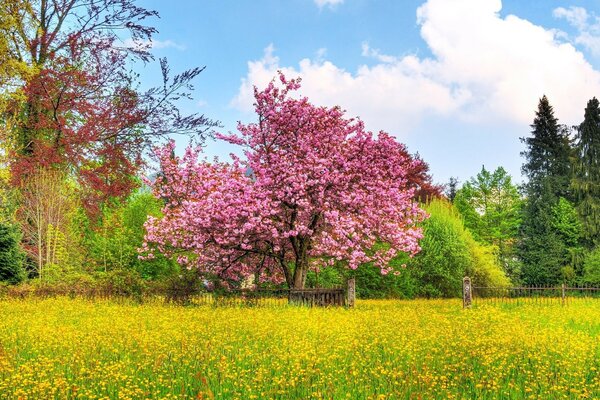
467,295
351,292
563,294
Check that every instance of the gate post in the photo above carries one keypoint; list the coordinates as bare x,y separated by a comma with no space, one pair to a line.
467,292
351,292
563,294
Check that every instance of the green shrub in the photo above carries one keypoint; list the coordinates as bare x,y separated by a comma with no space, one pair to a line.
484,269
448,253
123,283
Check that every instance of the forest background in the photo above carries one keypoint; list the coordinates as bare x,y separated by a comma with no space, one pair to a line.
77,136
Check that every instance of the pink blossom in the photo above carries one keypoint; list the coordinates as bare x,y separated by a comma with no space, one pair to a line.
313,186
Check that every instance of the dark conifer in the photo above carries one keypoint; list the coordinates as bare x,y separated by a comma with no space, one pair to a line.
547,167
586,174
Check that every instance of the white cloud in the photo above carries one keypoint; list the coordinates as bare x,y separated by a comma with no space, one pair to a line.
367,51
588,26
383,92
328,3
576,16
321,53
153,44
485,68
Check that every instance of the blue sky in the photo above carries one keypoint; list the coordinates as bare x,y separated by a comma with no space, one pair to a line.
457,81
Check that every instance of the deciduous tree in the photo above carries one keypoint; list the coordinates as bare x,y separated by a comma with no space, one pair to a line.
314,187
491,207
448,253
80,108
47,203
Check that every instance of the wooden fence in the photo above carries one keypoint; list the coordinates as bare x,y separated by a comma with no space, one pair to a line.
322,297
562,294
339,296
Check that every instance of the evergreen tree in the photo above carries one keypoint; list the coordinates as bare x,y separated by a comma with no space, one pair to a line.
542,249
451,188
586,176
547,155
11,257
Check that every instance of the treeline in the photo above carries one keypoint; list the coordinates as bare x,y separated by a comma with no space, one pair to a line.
544,232
75,131
75,250
547,231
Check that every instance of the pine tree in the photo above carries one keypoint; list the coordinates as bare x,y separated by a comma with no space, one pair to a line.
548,154
11,257
542,248
586,177
451,188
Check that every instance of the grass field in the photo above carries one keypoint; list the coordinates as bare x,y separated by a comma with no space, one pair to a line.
61,348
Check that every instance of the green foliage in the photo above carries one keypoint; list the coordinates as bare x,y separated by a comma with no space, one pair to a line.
586,176
451,188
542,248
566,223
326,278
113,244
11,256
8,195
548,155
123,282
444,257
449,252
484,269
491,208
400,284
490,205
592,267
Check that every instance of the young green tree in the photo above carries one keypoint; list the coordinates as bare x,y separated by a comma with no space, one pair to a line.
547,167
592,267
586,174
114,243
491,208
566,224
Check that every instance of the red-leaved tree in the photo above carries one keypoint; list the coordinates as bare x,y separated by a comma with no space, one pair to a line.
78,107
313,188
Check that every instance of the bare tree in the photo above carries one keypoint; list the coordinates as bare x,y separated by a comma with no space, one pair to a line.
46,204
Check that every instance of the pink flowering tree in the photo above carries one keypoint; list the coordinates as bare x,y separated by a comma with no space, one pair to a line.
313,188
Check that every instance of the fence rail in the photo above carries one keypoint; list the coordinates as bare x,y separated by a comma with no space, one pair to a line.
563,294
338,296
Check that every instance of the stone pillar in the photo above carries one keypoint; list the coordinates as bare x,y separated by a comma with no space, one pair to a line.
467,292
351,292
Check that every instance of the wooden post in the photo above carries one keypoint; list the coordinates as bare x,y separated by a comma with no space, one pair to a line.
563,294
467,295
351,292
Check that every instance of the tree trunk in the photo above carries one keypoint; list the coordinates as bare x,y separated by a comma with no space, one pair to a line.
301,267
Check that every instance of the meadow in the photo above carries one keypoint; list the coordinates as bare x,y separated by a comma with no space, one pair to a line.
420,349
